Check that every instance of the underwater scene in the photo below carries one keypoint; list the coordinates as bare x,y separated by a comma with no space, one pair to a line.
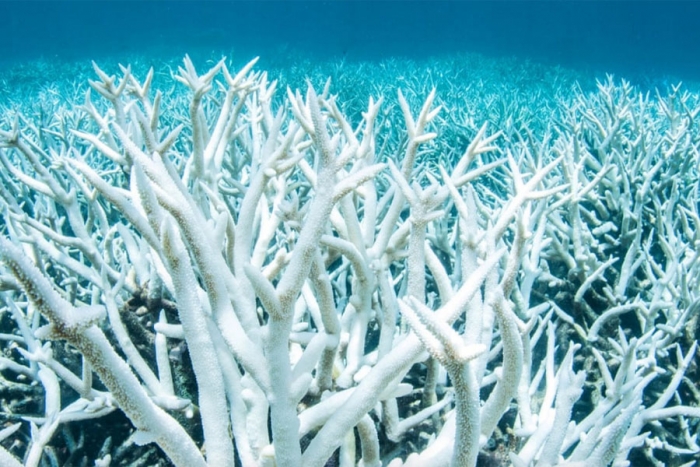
349,233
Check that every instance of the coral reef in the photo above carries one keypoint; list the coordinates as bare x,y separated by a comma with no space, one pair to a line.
257,278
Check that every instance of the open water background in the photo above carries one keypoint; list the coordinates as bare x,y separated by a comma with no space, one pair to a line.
655,38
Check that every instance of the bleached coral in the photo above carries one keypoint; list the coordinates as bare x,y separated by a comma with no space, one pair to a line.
338,281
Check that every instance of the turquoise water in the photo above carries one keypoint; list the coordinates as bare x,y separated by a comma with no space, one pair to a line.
657,37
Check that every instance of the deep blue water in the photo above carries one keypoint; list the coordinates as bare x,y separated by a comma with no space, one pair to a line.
654,37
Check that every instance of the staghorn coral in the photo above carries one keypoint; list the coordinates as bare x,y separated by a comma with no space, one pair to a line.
257,280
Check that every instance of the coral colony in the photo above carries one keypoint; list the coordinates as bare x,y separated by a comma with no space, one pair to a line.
222,273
